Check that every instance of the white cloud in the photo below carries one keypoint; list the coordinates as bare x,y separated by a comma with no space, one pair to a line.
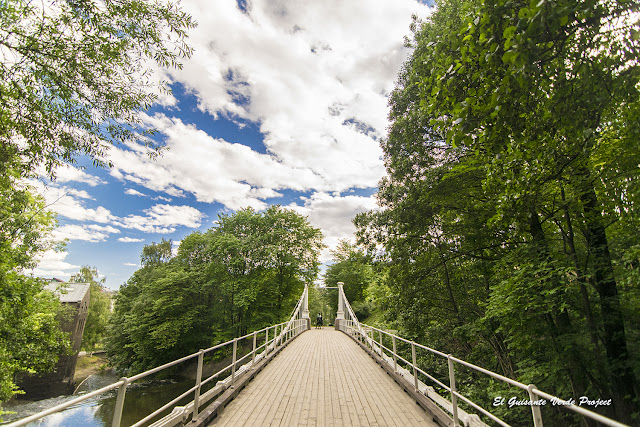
333,215
163,219
68,173
175,245
314,75
129,240
79,193
211,169
90,233
132,192
64,201
53,264
130,264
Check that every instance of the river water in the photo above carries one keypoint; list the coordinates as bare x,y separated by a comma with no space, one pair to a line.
142,398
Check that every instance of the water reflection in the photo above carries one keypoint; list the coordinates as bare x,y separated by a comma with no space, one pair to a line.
142,398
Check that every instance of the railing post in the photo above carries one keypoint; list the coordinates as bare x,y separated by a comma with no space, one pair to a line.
266,341
117,411
415,366
395,354
305,302
381,351
233,362
196,398
454,398
275,336
535,409
253,355
340,312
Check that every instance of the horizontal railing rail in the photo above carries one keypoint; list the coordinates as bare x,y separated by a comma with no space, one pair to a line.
366,335
275,336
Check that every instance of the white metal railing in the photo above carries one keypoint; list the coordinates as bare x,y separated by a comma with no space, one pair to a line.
366,335
275,337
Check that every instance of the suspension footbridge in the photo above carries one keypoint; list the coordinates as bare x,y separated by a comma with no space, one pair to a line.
323,378
353,374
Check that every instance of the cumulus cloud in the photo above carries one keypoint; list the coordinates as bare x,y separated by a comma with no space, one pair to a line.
90,233
132,192
129,240
53,264
65,202
332,213
211,169
315,76
68,173
163,219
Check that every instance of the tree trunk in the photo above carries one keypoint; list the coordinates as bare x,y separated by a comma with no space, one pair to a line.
623,382
559,321
570,239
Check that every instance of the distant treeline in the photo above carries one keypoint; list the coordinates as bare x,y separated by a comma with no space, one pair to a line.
243,274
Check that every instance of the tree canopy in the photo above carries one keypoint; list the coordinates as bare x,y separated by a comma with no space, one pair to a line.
75,74
243,274
74,77
510,208
355,269
30,337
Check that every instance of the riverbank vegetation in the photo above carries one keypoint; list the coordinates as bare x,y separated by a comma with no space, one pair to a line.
245,273
88,365
72,84
509,215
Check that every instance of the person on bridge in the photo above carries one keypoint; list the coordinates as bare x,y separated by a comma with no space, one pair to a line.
319,321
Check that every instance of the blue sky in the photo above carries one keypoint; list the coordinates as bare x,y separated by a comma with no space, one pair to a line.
283,102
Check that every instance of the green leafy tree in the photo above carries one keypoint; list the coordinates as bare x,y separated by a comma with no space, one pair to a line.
75,75
156,253
30,337
99,307
542,86
243,274
511,166
353,267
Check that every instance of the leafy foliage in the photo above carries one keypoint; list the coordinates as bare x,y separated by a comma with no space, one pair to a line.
30,337
75,74
361,277
99,307
243,274
510,204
